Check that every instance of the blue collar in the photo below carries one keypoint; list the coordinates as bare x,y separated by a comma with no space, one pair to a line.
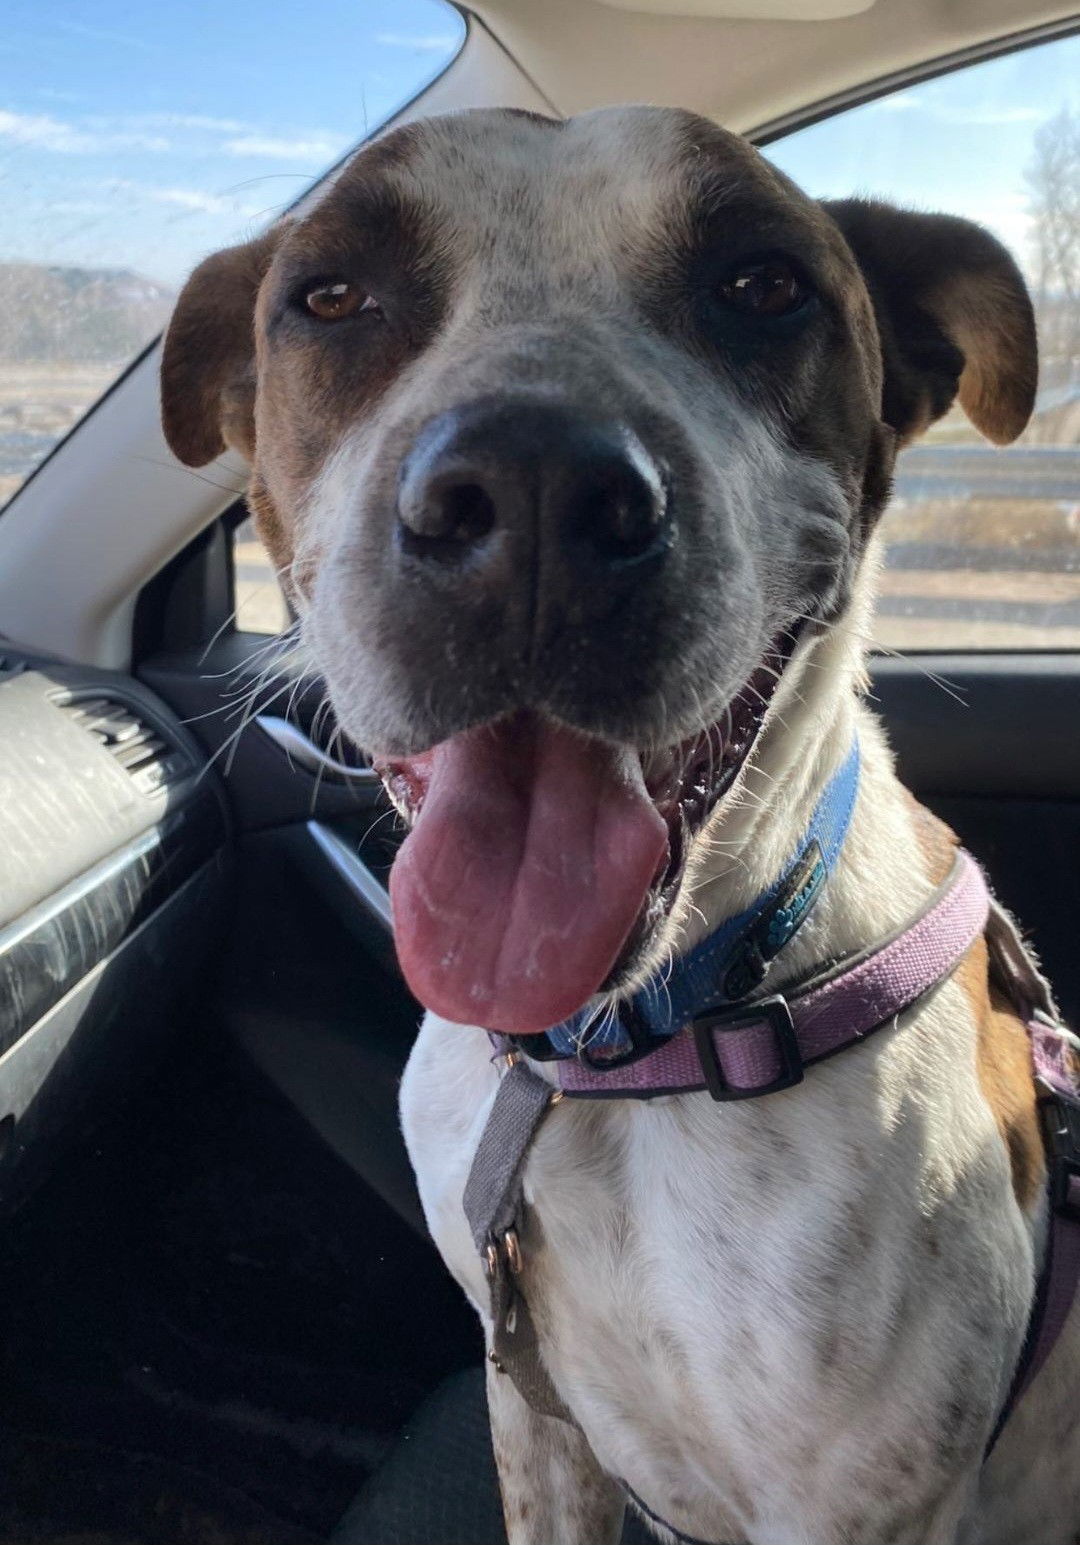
733,960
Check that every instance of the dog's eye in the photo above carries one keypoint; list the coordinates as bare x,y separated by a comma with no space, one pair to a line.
767,289
334,302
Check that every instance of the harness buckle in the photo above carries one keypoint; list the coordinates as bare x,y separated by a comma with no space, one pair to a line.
1061,1130
776,1013
638,1032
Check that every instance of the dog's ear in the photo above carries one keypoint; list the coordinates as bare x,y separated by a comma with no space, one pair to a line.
208,360
953,314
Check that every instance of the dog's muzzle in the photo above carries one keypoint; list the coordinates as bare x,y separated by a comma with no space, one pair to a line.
496,483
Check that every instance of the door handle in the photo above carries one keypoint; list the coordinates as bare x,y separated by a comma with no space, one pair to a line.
350,872
301,749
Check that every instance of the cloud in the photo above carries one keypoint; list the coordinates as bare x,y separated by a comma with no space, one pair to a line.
49,95
193,199
101,35
40,131
197,121
898,102
318,148
78,206
196,200
962,117
139,122
175,132
98,134
421,43
990,116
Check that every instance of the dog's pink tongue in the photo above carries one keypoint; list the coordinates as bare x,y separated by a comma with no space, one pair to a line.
523,875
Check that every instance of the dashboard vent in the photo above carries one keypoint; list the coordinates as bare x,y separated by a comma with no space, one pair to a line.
150,761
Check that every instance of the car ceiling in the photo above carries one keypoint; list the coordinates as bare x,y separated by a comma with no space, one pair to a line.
747,74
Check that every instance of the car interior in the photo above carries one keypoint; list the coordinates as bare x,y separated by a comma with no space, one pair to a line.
222,1318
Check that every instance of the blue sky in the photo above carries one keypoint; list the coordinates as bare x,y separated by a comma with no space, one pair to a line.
960,143
142,135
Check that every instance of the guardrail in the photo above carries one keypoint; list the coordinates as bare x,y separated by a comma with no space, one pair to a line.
987,472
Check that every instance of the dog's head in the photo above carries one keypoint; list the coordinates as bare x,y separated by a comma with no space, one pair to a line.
568,437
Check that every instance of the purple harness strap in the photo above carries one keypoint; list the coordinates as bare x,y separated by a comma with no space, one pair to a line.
759,1046
763,1045
1055,1058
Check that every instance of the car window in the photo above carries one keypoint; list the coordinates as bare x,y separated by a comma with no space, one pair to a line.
983,544
136,139
259,601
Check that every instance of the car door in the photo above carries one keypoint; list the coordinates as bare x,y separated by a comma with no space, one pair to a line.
117,837
310,984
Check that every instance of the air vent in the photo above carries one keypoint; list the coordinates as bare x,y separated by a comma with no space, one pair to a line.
146,756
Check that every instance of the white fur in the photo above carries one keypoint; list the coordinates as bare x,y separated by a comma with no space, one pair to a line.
790,1321
787,1322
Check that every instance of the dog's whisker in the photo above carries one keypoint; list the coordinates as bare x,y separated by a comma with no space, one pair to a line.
255,701
602,1019
389,814
200,477
948,687
228,745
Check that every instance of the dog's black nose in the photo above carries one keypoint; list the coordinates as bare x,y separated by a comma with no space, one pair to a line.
543,474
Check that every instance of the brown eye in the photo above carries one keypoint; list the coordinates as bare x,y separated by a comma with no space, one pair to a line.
333,302
768,289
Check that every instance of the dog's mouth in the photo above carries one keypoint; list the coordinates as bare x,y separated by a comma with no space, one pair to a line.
541,860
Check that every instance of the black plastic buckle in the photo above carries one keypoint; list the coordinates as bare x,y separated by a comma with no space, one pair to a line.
1061,1131
642,1042
776,1013
536,1047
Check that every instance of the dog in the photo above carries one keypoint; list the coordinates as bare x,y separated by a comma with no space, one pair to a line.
570,440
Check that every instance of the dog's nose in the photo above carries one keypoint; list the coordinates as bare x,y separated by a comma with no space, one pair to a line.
540,472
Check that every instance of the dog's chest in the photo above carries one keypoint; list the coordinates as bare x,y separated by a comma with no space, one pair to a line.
731,1298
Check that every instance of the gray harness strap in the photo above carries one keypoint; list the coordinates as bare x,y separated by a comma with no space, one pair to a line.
494,1206
1012,963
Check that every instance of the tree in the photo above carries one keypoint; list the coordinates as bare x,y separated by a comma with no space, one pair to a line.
1053,179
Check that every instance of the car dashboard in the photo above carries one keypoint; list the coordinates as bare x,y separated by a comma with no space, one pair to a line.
114,842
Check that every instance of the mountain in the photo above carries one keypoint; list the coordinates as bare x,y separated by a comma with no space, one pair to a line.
50,314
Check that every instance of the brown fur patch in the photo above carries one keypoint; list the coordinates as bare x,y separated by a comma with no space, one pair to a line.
954,317
208,360
1003,1052
1004,1064
937,842
273,530
997,337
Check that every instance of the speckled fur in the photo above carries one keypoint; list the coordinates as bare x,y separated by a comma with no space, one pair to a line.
785,1322
793,1321
788,1322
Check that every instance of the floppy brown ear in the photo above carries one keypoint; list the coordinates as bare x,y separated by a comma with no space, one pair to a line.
208,360
954,317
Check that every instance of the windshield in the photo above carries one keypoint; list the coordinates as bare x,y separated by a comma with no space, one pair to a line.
136,139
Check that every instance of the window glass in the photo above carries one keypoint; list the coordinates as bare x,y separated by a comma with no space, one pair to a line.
983,543
260,602
134,139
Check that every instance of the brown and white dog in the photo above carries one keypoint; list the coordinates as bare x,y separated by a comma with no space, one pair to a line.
556,430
